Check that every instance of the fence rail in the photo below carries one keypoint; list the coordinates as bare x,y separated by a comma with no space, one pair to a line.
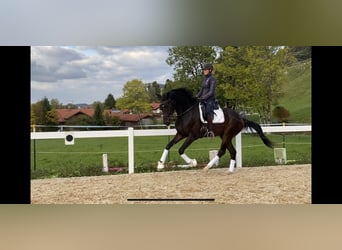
131,133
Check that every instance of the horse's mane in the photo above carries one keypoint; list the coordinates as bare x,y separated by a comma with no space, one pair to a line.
179,94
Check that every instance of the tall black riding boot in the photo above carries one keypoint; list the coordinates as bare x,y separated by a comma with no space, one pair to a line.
210,132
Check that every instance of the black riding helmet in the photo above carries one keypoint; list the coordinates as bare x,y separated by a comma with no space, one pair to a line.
208,66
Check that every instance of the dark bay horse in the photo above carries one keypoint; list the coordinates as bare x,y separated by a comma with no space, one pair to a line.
189,125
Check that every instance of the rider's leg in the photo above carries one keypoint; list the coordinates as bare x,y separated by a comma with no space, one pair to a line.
210,118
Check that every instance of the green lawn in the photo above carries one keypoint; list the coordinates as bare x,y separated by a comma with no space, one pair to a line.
52,158
297,93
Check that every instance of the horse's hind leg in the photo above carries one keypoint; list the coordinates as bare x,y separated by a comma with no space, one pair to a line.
226,144
232,152
220,153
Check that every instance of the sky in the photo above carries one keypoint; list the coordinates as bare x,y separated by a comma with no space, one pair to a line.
85,74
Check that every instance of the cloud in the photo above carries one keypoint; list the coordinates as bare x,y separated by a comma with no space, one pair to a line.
51,64
84,74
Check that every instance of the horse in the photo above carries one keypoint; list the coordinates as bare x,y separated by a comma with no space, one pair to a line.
189,125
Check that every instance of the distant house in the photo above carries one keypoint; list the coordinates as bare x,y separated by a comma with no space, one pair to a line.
127,119
130,120
66,114
156,108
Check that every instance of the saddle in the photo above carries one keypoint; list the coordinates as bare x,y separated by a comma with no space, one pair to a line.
218,114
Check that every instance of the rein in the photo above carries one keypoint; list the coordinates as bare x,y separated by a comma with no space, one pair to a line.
186,111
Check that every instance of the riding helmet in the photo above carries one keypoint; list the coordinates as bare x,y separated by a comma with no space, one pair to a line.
208,66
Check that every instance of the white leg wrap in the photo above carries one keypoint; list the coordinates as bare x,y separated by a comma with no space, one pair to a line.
213,161
160,165
193,163
163,158
231,166
186,158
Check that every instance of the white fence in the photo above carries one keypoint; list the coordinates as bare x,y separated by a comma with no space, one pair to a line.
131,133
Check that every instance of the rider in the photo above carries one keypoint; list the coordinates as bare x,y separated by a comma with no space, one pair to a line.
207,95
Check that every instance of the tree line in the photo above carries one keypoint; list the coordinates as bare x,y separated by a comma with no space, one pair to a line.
249,78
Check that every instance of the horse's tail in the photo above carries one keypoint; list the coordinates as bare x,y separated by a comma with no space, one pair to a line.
258,129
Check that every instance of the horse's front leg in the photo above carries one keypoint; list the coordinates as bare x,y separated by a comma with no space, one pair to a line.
175,139
181,150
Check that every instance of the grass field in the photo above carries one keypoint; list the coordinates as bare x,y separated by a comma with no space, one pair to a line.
297,93
52,158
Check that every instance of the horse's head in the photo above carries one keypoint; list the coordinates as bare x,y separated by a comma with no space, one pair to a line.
176,100
167,106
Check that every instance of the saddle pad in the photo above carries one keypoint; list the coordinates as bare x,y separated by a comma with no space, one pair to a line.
218,115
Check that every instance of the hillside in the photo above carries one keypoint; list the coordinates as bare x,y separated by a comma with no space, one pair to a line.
297,93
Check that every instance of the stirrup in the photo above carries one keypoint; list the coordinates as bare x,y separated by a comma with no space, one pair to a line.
210,134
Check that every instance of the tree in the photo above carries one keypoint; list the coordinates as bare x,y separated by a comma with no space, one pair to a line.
33,116
71,106
110,101
252,77
40,110
188,61
98,118
109,120
55,104
52,117
134,98
281,113
169,85
153,91
301,53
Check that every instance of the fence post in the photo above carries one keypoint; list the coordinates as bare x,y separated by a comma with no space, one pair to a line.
34,149
130,150
105,162
238,150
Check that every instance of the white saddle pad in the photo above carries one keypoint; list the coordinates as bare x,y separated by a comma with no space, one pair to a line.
218,115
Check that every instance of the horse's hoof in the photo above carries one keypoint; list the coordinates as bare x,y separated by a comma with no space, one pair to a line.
231,169
160,166
193,163
206,168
